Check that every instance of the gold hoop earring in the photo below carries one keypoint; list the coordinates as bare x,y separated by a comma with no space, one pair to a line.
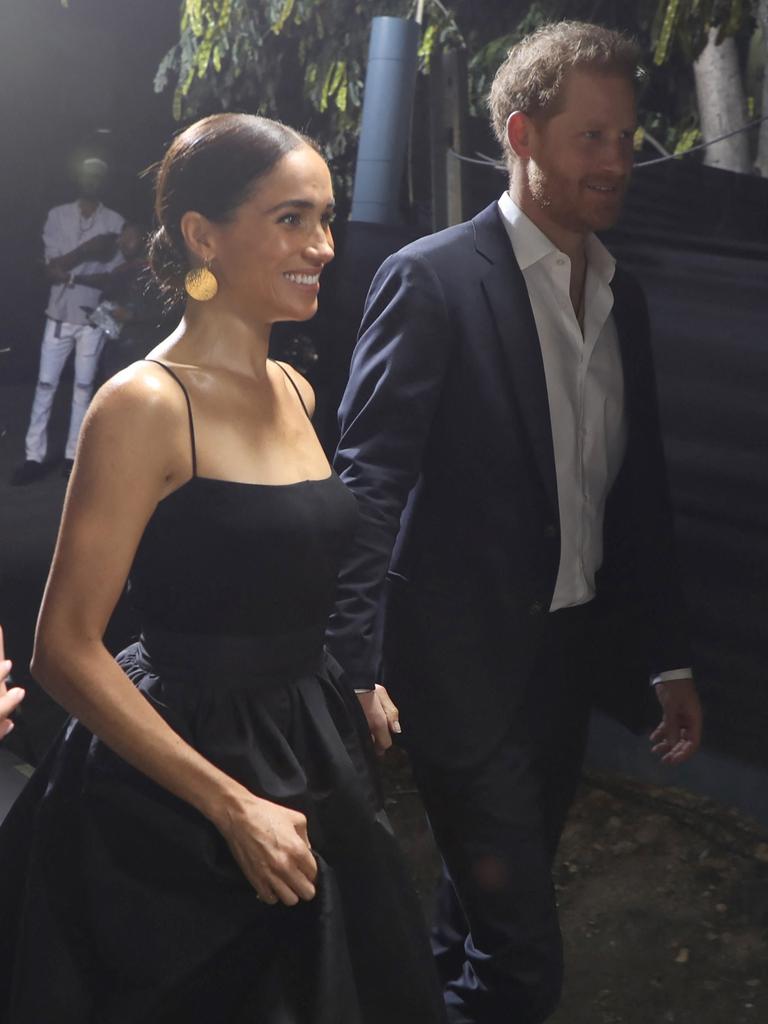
200,283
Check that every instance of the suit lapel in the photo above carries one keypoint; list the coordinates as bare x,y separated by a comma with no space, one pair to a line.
625,318
507,296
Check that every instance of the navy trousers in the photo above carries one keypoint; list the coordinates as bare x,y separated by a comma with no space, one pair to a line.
496,936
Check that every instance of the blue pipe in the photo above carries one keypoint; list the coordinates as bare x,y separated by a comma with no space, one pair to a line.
389,86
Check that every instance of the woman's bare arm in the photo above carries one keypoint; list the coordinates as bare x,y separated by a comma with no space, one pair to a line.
134,450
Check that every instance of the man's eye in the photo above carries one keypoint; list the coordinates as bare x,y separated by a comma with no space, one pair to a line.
592,135
290,218
328,219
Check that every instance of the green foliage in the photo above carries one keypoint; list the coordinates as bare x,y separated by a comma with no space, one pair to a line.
686,24
304,60
301,60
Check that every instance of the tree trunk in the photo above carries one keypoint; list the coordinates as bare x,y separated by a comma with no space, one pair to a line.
720,97
762,145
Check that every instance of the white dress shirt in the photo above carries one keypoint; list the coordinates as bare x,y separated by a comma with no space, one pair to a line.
585,387
65,228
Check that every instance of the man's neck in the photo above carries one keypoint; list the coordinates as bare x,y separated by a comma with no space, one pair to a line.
572,243
88,206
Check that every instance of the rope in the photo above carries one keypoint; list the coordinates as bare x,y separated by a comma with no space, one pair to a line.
499,165
703,145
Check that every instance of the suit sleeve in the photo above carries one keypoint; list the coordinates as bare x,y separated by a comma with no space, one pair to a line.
395,381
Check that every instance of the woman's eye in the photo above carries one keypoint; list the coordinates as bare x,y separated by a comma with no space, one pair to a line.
328,219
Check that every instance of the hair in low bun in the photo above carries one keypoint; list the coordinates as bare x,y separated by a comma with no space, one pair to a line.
211,167
168,265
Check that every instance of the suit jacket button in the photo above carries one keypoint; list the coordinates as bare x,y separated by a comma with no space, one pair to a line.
536,608
550,530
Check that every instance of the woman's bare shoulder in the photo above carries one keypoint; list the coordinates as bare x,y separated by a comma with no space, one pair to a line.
144,390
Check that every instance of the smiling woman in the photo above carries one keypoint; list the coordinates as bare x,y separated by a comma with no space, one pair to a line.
211,806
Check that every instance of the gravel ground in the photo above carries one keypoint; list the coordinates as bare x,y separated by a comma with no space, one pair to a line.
663,898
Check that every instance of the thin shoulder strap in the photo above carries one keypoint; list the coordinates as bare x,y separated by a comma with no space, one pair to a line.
189,410
295,387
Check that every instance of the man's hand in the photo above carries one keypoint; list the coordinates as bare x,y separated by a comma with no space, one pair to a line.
382,717
55,273
678,735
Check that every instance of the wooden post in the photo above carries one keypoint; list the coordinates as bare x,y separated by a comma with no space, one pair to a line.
448,104
437,144
456,104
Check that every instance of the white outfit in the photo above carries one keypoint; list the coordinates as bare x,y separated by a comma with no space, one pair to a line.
585,388
67,326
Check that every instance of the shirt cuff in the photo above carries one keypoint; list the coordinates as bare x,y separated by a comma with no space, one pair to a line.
673,673
365,689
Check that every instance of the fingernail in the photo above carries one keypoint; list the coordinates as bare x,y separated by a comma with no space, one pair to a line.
396,727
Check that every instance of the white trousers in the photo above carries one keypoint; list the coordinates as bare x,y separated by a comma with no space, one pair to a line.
59,339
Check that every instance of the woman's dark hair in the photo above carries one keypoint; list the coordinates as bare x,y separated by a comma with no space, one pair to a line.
211,167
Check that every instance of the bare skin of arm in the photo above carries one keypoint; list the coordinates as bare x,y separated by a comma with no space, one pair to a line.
100,281
9,699
121,473
100,249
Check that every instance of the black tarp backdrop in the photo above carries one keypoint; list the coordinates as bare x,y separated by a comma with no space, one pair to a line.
697,238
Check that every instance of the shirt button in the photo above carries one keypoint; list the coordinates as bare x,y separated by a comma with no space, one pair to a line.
536,608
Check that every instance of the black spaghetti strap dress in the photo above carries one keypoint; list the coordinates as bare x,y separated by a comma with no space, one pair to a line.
121,904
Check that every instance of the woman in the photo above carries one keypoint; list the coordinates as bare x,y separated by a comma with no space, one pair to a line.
205,843
9,699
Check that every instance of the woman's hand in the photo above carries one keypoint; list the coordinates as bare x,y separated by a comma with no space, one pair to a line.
271,846
382,716
9,699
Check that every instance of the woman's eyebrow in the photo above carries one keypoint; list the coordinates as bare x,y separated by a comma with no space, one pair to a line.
302,204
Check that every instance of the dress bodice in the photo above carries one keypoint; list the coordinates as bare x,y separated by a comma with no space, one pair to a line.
218,556
225,557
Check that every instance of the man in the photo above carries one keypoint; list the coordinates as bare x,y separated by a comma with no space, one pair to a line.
500,432
78,238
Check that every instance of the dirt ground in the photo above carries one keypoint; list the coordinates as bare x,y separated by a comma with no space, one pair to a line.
663,898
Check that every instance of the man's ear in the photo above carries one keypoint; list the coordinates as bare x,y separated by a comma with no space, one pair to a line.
519,133
197,232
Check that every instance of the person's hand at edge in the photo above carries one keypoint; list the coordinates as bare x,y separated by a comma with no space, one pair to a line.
9,699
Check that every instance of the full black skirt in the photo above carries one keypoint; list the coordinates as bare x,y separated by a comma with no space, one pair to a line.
121,904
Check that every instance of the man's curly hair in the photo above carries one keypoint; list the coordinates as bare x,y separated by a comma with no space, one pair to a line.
531,78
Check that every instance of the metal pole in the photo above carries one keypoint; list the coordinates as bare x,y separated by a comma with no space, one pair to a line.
389,88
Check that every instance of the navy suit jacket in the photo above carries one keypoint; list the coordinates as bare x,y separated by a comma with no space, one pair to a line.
446,443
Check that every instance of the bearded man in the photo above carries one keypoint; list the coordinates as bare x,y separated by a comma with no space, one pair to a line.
500,433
